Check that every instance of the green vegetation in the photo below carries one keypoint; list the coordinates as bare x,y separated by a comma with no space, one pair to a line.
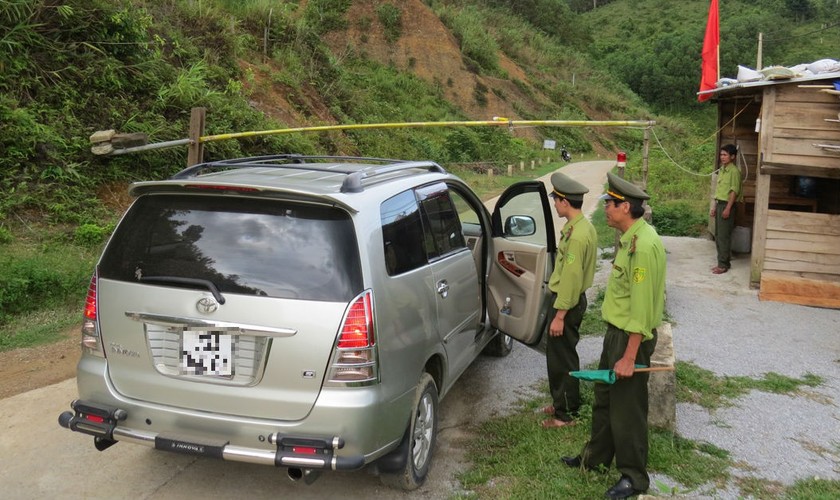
44,279
592,324
513,459
813,489
703,387
654,46
391,19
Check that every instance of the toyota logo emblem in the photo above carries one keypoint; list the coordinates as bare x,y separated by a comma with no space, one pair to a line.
207,305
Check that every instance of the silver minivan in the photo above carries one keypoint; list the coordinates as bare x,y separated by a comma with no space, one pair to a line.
305,312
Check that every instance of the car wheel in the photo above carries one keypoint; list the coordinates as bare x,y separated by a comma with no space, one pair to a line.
500,346
421,434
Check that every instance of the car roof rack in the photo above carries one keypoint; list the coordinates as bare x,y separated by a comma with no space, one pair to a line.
353,183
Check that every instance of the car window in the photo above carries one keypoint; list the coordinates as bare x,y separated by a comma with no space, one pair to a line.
419,226
527,204
466,212
402,234
246,246
444,234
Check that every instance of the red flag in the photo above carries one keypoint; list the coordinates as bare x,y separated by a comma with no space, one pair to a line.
709,71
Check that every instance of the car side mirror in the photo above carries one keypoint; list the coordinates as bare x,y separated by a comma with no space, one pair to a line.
520,225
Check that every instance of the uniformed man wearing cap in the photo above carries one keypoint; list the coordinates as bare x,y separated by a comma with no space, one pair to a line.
633,307
574,270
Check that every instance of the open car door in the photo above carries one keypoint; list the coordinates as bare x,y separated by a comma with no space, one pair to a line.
524,246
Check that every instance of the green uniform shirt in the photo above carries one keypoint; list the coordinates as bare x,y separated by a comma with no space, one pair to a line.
729,179
635,298
574,268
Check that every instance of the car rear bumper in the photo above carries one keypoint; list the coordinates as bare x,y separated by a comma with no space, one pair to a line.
317,442
103,422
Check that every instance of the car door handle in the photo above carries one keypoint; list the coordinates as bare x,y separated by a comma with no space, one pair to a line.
443,288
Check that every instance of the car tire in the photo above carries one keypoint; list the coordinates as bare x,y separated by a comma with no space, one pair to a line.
421,434
500,346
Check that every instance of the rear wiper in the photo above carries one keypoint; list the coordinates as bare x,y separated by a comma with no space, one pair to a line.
187,281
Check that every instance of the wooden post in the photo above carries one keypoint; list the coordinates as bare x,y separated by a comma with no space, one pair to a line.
522,166
619,167
195,154
645,149
532,164
510,170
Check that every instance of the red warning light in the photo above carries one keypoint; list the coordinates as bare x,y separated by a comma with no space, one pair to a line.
621,159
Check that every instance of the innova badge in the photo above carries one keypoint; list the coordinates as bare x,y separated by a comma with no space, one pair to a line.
207,305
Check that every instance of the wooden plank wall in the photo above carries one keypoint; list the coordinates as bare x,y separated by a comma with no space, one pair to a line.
802,259
801,119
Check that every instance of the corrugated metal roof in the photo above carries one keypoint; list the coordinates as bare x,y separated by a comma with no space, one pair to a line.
763,83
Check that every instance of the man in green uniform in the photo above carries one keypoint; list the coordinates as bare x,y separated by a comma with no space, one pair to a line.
633,307
574,270
727,192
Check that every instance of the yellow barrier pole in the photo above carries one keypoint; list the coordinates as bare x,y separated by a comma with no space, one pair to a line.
486,123
497,122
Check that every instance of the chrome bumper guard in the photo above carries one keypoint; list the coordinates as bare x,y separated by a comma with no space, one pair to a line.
101,421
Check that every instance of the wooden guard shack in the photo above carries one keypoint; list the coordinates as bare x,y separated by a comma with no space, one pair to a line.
788,135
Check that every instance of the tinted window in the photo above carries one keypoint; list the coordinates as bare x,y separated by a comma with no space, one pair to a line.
444,226
244,246
402,234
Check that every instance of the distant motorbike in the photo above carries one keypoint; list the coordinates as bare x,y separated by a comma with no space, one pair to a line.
565,154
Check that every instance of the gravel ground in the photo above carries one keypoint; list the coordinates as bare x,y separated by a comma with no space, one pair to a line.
720,325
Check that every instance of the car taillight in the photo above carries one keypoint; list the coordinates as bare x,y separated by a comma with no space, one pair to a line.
91,341
355,358
357,329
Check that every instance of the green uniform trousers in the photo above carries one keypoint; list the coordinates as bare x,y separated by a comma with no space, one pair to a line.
619,414
561,357
723,235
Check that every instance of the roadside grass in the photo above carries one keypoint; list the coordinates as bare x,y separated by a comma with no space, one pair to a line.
804,489
704,388
513,457
40,327
592,324
813,489
43,280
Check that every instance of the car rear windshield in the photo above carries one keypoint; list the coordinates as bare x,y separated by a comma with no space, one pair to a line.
247,246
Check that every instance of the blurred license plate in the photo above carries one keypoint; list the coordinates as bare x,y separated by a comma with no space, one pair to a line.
206,353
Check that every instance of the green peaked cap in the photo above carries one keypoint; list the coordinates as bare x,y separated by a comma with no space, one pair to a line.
620,189
566,187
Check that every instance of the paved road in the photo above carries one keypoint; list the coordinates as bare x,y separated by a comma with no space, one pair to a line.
39,459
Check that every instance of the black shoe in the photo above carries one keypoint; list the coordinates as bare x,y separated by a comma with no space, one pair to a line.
573,462
622,489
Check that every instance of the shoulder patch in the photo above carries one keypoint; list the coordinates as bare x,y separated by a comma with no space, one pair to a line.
639,274
570,257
